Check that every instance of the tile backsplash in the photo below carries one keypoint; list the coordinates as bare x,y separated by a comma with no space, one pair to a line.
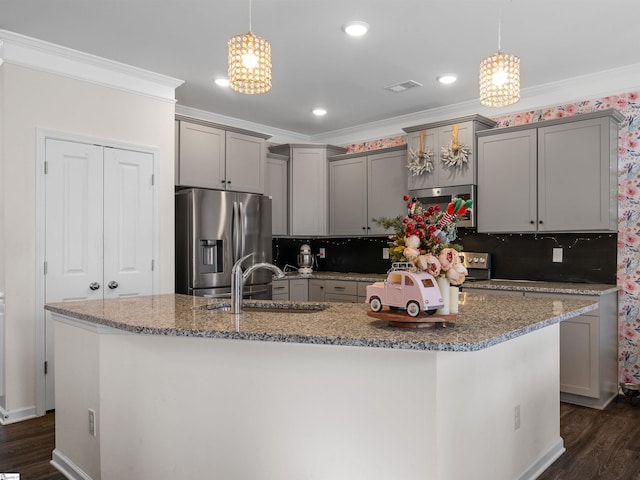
589,258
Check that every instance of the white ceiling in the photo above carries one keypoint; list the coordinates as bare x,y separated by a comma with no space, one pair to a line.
316,64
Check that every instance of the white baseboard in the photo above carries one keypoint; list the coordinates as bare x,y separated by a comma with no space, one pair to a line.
65,466
540,465
13,416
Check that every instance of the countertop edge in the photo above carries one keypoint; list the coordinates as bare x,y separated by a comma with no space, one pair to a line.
320,339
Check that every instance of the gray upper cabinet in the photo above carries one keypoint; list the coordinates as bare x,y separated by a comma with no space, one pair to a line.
308,186
554,176
201,162
507,188
437,136
245,163
362,187
212,156
277,187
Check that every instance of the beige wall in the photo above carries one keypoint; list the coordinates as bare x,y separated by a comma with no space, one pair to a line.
32,99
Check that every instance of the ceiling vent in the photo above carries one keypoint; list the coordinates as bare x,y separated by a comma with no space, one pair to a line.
402,86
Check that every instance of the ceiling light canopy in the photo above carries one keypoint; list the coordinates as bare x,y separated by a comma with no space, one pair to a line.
249,62
499,78
355,28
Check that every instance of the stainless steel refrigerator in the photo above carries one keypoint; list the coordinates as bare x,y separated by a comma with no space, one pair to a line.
213,229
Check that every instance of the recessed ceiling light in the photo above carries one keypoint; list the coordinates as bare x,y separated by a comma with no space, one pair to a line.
447,78
356,28
319,111
222,82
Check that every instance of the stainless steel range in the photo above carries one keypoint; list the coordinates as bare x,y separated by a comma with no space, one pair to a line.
478,265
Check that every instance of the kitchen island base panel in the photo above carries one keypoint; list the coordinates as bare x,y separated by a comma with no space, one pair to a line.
188,407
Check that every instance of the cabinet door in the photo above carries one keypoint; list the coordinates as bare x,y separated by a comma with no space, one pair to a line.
245,163
454,175
276,187
430,179
348,197
574,176
299,290
280,290
316,291
507,182
387,178
202,156
308,192
579,343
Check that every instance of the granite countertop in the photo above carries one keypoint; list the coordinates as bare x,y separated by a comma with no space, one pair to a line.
509,285
483,320
543,287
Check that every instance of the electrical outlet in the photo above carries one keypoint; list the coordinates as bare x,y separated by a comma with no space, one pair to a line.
92,423
557,255
321,253
516,417
385,254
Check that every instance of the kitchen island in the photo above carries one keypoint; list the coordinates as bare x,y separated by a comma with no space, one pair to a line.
180,391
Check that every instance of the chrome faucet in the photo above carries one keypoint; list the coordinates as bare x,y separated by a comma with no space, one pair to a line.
238,278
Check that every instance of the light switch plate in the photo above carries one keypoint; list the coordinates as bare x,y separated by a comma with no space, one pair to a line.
557,255
385,254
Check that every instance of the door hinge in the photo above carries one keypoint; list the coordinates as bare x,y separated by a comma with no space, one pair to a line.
46,367
46,168
46,267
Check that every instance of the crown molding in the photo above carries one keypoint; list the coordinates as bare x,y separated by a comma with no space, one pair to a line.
597,85
29,52
278,135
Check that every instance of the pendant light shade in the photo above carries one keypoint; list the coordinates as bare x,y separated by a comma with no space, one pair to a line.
499,80
249,64
499,77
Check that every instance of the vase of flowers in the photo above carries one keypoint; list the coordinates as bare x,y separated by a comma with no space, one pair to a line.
425,238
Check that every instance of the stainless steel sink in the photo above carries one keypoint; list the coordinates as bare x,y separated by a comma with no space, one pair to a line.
268,306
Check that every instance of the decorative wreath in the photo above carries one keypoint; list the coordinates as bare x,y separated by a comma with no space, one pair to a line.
420,161
455,155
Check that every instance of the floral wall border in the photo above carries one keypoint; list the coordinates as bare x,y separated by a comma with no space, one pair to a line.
628,257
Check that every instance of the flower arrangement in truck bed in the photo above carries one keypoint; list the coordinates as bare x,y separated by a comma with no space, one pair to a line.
425,238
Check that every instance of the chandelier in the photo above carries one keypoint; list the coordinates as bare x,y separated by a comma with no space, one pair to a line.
249,64
499,78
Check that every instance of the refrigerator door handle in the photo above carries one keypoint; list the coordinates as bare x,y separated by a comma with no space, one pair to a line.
236,232
242,224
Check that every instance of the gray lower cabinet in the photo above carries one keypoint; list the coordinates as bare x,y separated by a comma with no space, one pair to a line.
588,349
316,290
319,290
280,290
299,289
553,176
589,353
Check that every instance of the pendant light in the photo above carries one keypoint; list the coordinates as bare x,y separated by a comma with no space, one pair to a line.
249,63
499,78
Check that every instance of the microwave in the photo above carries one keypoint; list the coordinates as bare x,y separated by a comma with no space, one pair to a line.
441,196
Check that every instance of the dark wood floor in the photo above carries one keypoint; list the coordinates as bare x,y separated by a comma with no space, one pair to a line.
602,445
25,448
